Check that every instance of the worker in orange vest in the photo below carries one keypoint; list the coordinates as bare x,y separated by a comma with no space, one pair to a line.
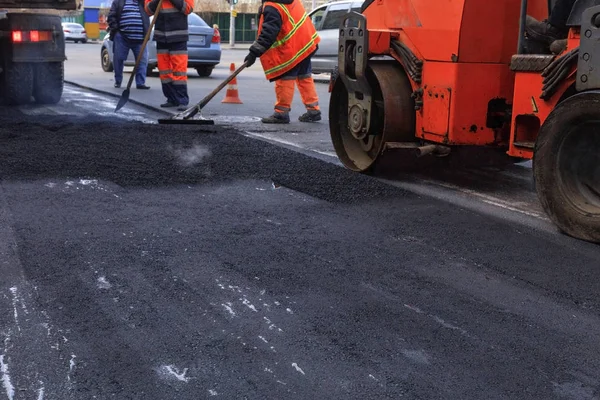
171,36
286,41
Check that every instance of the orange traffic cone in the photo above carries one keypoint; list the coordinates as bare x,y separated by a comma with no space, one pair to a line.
232,96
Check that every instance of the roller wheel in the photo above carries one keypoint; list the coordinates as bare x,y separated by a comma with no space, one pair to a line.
392,117
566,166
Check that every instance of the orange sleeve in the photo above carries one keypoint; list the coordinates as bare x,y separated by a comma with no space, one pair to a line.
190,7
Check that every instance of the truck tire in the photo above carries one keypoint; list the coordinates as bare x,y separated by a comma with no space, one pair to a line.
49,82
566,166
17,83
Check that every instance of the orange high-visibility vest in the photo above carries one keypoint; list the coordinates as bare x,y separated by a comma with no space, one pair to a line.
296,40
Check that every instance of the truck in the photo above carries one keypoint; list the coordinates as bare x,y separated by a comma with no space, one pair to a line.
430,77
32,50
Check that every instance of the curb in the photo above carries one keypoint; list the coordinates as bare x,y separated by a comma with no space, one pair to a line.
115,95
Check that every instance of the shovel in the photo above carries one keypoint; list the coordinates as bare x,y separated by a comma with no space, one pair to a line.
185,117
125,96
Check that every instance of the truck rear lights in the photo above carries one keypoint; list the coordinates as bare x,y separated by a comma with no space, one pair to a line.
17,36
31,36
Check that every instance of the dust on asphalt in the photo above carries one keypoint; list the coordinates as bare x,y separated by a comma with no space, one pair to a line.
187,262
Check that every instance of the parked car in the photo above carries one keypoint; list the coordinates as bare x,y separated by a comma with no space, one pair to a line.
327,19
204,49
74,32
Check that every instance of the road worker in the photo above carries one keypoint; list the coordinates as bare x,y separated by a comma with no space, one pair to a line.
286,41
553,31
171,36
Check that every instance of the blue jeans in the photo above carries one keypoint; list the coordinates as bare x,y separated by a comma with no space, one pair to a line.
121,47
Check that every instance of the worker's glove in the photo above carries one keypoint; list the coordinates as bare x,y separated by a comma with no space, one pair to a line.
250,59
256,50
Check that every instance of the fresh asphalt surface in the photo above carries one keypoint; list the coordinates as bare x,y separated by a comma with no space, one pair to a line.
167,262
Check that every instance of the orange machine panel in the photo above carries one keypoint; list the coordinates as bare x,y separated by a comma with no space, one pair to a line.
471,87
489,31
530,112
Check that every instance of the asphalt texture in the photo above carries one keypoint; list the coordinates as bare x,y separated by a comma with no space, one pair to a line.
176,262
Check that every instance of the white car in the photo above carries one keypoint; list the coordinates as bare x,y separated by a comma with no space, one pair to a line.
74,32
327,19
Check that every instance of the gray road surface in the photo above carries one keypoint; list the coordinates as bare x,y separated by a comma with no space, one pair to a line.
149,262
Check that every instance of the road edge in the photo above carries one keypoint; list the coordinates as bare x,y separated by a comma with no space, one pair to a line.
115,95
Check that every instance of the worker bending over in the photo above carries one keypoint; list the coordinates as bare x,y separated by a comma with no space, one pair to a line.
286,42
171,36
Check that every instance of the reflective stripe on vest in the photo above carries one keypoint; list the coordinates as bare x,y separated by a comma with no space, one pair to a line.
296,40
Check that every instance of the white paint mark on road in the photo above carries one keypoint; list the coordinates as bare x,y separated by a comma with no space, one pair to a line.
228,308
13,290
212,392
103,283
268,370
169,371
263,339
372,377
247,303
417,356
6,383
289,310
41,392
283,383
50,184
415,309
298,368
88,182
448,325
72,362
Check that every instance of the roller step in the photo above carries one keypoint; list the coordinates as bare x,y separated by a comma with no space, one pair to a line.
526,145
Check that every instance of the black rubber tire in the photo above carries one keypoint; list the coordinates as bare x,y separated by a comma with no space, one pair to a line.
566,166
17,83
49,82
76,41
107,65
204,72
84,41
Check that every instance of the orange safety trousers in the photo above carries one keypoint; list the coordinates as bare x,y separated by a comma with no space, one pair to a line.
301,76
172,59
284,91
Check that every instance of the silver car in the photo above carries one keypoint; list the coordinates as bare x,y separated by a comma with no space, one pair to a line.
74,32
204,49
327,19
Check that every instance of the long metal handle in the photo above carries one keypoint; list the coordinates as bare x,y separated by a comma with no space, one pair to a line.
199,106
141,53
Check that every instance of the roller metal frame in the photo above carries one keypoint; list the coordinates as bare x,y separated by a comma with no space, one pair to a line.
508,110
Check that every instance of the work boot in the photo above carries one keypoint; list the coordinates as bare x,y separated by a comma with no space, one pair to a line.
277,118
543,31
168,104
310,116
558,46
182,107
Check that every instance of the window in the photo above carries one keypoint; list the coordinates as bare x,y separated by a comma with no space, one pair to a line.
317,17
335,14
195,20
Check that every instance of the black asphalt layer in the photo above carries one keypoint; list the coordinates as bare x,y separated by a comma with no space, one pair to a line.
167,262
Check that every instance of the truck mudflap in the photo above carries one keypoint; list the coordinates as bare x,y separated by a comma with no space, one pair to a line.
34,38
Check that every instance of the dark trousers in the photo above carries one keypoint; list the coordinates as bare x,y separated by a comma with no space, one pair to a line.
121,47
172,65
560,13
